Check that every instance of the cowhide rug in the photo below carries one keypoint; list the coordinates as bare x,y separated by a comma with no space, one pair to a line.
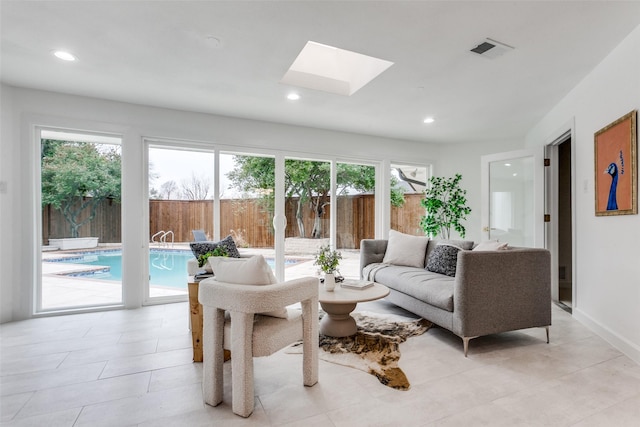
374,348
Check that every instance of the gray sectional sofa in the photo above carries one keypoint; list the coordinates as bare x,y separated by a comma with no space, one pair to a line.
492,291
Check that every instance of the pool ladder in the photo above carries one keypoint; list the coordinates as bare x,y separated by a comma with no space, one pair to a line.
163,237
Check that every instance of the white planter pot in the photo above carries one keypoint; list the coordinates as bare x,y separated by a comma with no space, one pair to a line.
329,282
74,243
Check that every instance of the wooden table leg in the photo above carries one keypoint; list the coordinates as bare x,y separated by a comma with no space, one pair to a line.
196,321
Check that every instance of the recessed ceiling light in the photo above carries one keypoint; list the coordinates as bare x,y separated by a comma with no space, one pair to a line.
293,96
65,56
515,174
507,164
429,120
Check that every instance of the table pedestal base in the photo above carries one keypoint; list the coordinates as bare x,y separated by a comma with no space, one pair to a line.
338,321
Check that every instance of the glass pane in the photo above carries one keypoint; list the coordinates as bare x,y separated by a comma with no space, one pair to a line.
308,211
511,216
180,209
81,222
407,186
247,185
356,211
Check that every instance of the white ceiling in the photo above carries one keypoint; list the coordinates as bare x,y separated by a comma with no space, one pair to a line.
162,53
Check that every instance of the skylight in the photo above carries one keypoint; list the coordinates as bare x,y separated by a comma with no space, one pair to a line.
333,70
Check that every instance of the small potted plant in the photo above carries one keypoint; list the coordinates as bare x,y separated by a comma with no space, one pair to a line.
328,261
204,258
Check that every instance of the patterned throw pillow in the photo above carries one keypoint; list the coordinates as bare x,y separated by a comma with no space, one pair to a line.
443,260
201,248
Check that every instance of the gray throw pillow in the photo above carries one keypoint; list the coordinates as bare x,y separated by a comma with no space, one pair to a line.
443,260
201,248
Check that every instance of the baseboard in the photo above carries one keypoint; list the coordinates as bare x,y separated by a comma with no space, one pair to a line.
631,350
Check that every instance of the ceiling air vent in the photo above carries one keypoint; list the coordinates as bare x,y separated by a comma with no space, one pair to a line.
491,49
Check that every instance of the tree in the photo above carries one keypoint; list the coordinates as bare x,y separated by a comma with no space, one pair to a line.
167,189
196,188
446,206
307,180
78,176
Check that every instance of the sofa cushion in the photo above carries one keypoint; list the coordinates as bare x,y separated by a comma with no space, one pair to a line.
432,288
404,249
443,259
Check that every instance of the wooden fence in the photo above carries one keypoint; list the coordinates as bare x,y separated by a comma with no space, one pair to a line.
248,220
107,224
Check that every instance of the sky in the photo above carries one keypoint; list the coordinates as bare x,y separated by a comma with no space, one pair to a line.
179,165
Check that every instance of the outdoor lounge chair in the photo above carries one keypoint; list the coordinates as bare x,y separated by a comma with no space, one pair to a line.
199,235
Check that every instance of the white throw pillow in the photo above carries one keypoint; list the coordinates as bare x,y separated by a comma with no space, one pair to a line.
246,271
491,245
404,249
243,271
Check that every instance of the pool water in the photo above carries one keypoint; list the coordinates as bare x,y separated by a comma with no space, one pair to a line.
166,267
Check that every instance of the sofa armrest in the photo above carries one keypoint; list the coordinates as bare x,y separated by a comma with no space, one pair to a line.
371,251
501,291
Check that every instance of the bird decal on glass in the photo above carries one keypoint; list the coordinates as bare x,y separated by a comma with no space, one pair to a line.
612,203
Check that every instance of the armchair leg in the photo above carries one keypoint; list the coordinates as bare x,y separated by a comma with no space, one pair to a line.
547,328
213,360
242,363
310,343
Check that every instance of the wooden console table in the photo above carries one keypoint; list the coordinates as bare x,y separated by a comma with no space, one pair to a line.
195,308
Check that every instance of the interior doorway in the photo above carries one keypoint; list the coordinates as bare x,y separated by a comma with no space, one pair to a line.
560,231
565,225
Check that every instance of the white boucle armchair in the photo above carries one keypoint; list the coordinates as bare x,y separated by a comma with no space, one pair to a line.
248,334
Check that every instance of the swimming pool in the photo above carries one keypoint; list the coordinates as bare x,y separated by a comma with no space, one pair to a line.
166,267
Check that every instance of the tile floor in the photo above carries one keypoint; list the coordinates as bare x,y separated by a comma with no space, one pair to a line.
133,368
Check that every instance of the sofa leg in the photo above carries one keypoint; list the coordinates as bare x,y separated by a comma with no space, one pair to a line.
465,343
547,328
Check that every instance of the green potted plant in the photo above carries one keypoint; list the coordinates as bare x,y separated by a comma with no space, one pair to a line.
328,261
217,251
445,204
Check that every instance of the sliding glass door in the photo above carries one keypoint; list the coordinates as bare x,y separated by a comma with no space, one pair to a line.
181,210
81,236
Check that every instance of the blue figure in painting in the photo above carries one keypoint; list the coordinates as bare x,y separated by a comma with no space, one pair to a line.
612,203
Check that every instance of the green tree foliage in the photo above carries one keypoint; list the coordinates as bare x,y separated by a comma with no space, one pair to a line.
77,176
446,206
307,180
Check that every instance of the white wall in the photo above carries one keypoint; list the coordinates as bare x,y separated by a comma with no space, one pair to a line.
31,107
7,200
607,249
